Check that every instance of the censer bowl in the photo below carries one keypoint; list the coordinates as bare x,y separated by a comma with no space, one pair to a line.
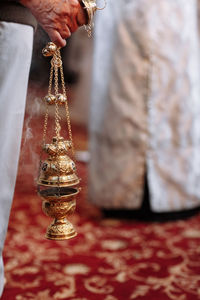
58,203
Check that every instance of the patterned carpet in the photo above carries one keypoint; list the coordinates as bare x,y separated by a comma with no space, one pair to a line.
108,260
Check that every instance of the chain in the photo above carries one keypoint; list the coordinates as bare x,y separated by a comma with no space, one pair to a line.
55,64
89,28
62,77
50,79
67,110
45,124
69,128
57,116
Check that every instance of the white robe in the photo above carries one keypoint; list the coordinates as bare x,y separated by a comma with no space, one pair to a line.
145,111
16,42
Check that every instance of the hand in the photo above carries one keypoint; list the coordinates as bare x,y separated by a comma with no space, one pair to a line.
59,18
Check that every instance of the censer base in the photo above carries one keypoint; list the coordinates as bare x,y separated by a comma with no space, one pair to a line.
60,230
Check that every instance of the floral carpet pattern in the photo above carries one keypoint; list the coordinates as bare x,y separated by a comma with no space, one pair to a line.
108,260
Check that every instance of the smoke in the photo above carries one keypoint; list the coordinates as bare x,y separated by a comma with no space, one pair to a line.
31,138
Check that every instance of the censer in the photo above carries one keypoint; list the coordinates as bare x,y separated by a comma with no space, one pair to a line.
57,179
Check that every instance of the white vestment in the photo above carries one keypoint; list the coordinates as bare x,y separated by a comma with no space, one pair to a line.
16,43
145,111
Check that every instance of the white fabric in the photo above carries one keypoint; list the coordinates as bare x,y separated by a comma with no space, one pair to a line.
146,105
16,42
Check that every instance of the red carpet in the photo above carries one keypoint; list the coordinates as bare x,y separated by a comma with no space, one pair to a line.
108,260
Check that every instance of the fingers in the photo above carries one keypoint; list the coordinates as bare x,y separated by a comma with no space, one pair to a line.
61,20
70,26
56,37
65,31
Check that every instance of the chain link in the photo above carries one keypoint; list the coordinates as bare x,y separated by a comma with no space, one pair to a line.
45,124
89,29
67,111
62,78
69,128
55,63
57,115
50,80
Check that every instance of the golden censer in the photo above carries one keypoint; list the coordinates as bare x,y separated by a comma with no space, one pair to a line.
57,179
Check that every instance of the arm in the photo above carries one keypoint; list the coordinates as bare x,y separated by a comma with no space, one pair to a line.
59,18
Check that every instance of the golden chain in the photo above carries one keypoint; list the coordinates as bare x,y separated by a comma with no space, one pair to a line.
45,124
69,128
62,78
67,109
50,80
56,62
57,116
89,28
